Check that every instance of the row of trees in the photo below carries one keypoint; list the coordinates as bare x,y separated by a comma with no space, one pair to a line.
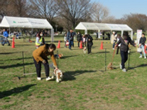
68,13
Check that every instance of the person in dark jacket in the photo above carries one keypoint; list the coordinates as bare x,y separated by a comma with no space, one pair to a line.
118,37
142,44
79,38
70,38
89,43
125,41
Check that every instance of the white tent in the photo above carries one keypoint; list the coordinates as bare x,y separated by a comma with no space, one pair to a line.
103,26
22,22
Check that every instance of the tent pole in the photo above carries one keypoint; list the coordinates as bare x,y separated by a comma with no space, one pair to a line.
99,34
52,35
85,31
9,31
122,33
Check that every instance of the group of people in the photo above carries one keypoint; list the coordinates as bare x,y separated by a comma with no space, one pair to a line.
119,42
87,40
122,44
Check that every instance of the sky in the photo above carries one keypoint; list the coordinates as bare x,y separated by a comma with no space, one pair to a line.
119,8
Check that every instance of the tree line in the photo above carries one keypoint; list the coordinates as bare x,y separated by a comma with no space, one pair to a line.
66,14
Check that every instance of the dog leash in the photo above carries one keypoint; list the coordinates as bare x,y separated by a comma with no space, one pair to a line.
113,54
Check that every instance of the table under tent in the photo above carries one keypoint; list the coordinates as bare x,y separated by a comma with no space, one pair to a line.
23,22
104,27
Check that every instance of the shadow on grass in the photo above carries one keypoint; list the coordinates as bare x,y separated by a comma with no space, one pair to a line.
142,65
64,57
70,75
15,65
15,90
101,52
6,53
18,59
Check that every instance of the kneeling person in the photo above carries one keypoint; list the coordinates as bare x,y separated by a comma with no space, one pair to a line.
40,57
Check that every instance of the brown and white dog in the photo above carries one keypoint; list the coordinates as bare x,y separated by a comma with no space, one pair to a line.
58,74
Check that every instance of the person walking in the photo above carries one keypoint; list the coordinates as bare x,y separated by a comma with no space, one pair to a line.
84,40
124,41
70,38
40,57
118,37
142,44
39,39
5,38
65,39
113,40
89,43
79,38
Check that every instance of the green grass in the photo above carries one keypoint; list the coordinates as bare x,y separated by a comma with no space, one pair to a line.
86,84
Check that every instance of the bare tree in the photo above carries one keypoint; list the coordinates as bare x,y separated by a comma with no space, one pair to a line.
20,7
136,21
74,10
99,12
44,9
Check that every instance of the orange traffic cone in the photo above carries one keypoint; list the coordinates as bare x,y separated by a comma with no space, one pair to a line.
101,48
58,45
81,47
13,43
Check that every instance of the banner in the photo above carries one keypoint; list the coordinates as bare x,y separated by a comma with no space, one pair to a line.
139,34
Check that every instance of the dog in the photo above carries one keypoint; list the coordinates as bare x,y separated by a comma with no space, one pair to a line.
58,75
109,67
84,49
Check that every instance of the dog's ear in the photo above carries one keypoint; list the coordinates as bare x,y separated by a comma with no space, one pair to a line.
63,73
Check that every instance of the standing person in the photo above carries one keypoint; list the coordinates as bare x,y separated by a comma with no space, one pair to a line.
84,40
108,34
65,38
40,57
113,39
125,41
142,44
70,38
118,37
89,43
79,38
39,39
5,36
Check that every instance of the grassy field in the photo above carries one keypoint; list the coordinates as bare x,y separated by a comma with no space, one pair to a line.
86,84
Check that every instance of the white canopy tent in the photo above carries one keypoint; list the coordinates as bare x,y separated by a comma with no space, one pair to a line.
103,26
23,22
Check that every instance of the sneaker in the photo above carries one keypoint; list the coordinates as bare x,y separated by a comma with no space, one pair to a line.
39,78
144,57
124,70
120,66
48,78
113,48
140,56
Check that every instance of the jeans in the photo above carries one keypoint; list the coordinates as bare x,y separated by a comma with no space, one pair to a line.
5,40
124,58
70,43
114,43
38,68
65,43
89,45
142,47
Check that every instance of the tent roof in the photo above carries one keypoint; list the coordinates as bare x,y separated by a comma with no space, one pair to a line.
23,22
102,26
